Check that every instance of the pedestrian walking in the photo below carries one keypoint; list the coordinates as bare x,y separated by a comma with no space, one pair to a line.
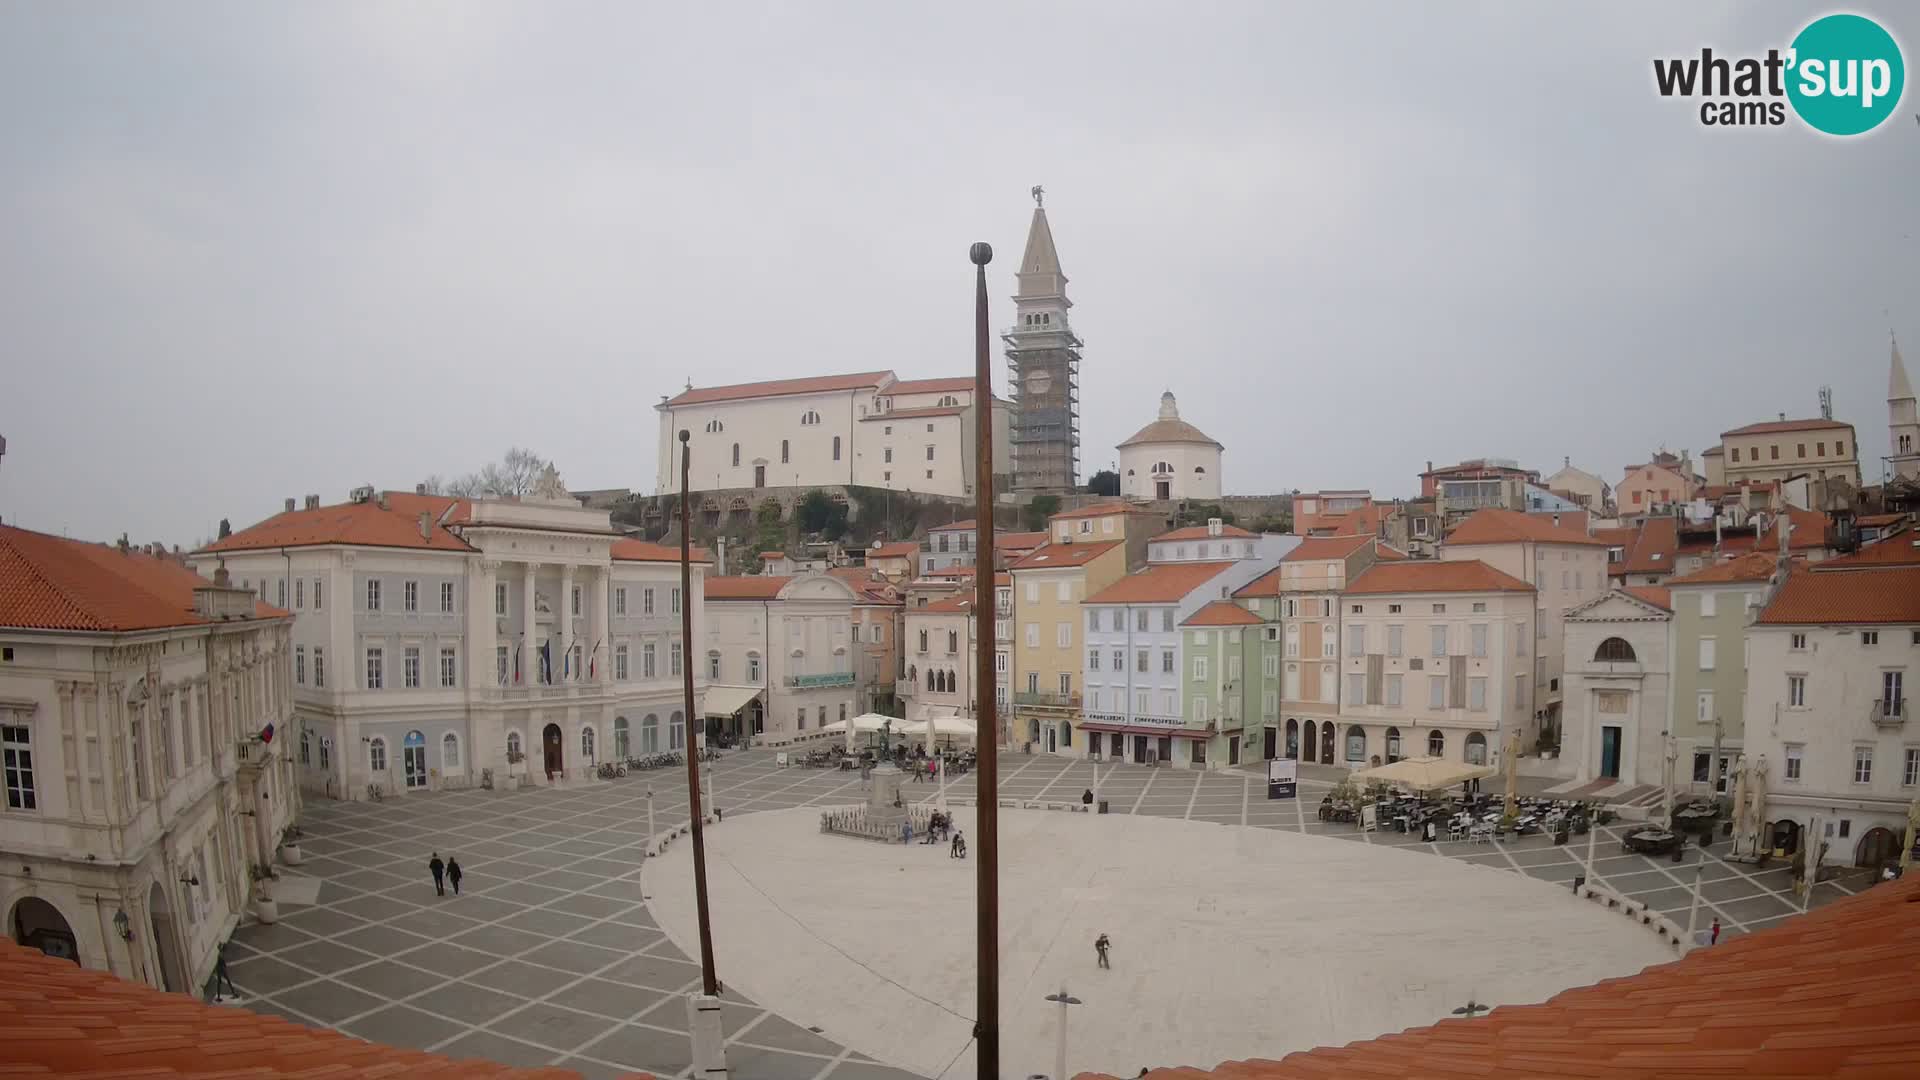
453,874
959,849
1086,797
906,832
1100,947
439,871
1713,933
220,976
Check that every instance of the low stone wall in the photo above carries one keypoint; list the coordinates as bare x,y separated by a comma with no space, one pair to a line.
1669,931
852,821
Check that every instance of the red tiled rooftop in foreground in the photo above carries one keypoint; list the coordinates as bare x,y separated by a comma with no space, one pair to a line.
1828,994
59,1019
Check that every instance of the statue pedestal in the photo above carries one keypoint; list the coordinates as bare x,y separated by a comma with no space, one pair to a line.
885,808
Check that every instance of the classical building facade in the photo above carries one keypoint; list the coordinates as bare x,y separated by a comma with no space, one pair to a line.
784,644
145,718
1712,609
1780,449
1043,370
867,429
1618,678
1048,586
1170,459
442,642
1583,487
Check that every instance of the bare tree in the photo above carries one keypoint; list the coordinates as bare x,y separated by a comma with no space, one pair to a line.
513,475
433,485
466,487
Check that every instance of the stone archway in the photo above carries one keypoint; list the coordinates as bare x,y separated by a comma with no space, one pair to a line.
1312,741
37,924
553,751
166,939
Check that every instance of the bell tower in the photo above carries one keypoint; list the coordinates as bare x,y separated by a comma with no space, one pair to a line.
1043,368
1903,426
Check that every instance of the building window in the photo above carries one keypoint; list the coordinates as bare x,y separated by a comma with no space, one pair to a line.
1793,762
929,453
620,600
373,594
574,600
1708,606
300,665
1893,693
1140,620
673,658
1773,452
319,666
16,746
753,667
1357,641
1479,639
1706,654
1439,641
450,751
500,664
1436,691
1439,609
713,666
513,745
449,670
410,667
1615,651
736,456
1796,691
446,597
1477,694
376,668
1910,772
1062,635
1395,638
836,448
1863,764
586,743
500,599
1356,688
1869,637
1066,683
1393,690
620,659
411,596
377,755
299,593
1199,667
280,590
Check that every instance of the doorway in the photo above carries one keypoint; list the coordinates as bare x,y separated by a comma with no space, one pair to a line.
1313,741
1879,847
1609,752
1326,743
759,476
1163,489
413,759
1271,743
1139,749
161,910
550,746
1119,744
1233,749
39,925
1293,739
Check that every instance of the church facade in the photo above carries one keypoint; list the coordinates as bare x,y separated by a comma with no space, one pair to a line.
1170,459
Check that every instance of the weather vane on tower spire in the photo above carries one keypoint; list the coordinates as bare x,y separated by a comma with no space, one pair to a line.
1038,193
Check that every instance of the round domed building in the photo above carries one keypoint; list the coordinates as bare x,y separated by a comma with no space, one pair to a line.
1170,459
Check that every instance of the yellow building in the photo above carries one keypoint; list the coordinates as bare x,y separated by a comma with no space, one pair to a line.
1048,586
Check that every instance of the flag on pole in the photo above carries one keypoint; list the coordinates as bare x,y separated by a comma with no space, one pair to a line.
593,659
546,662
266,733
516,663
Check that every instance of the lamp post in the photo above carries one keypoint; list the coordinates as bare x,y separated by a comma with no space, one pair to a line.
651,833
1471,1009
1063,999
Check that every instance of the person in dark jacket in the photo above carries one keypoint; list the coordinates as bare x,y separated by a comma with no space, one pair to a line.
453,873
439,871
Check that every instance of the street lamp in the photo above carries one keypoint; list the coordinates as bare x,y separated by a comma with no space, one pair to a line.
1470,1010
121,925
1062,999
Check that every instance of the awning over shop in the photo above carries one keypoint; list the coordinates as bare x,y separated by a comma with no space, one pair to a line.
726,700
1155,732
1425,773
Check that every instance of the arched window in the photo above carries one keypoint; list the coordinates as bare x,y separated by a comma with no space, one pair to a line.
1313,743
1356,743
1393,745
513,745
377,755
1436,744
736,455
1293,739
713,665
620,738
1198,469
586,743
753,667
1162,467
715,426
1615,649
650,734
449,751
913,674
306,746
836,448
1066,733
1476,749
930,680
676,732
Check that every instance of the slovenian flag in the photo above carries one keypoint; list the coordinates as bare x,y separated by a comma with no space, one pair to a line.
266,734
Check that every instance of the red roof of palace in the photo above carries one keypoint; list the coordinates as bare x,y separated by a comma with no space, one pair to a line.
1053,556
363,524
52,583
1160,583
820,384
1653,594
1772,426
1496,526
631,550
759,587
1434,576
1887,595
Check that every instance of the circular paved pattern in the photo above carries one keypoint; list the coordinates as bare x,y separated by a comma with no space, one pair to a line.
553,957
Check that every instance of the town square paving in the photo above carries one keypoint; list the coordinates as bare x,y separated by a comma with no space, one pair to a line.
553,954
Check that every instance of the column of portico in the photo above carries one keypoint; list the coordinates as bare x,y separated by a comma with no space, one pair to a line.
564,611
529,646
602,598
483,630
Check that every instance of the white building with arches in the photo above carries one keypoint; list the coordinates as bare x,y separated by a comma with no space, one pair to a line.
444,643
1170,459
143,719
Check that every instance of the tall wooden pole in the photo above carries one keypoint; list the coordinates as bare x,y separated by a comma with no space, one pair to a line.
708,979
987,931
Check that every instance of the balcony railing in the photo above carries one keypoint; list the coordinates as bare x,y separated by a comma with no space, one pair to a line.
1046,699
1888,712
805,682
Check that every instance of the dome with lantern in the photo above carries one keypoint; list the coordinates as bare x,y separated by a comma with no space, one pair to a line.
1170,459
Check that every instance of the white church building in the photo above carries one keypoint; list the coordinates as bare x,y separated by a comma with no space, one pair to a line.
1170,459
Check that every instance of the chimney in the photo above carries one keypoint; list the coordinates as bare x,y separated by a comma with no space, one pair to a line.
426,525
289,505
1213,526
419,489
1783,418
313,502
721,555
220,576
383,500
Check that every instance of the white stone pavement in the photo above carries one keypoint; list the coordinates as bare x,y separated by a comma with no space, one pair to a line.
1227,943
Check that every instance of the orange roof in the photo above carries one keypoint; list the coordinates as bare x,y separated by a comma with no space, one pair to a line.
932,386
950,572
1388,553
1267,584
1652,594
1753,566
631,550
63,1019
1870,521
968,525
1899,549
1809,530
957,604
1222,613
899,549
1323,548
1005,541
869,585
1360,521
1496,526
1786,425
1160,583
1434,576
822,384
761,587
1652,551
1201,532
772,556
1888,595
1101,509
361,524
51,583
1827,994
1056,556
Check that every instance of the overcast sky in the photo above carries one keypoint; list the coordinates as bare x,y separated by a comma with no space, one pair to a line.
250,250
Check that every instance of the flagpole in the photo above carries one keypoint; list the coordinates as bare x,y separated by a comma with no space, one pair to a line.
703,1009
987,930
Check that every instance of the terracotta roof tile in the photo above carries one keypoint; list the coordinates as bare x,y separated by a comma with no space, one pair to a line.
1053,556
1886,595
1434,576
1872,521
1772,426
1200,532
631,550
1267,584
1753,566
70,1021
933,386
779,388
760,587
1899,549
1018,540
1654,548
1160,583
1222,613
1496,526
1324,548
957,604
52,583
367,524
899,549
1652,594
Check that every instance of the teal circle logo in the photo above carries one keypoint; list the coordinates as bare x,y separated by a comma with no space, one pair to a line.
1845,74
